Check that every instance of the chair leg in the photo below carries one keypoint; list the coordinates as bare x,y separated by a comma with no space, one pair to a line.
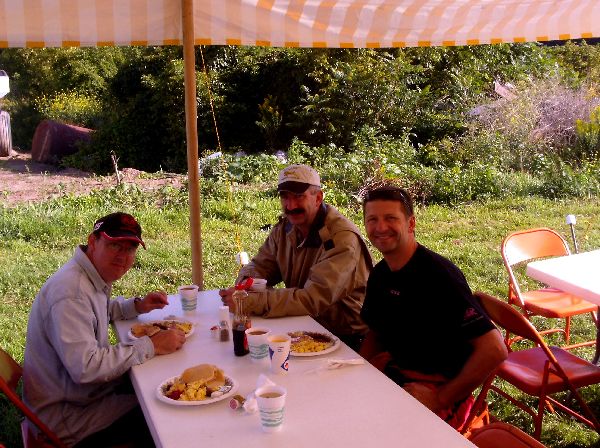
567,330
479,410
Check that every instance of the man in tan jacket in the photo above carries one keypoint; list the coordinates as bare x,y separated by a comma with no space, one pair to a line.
318,254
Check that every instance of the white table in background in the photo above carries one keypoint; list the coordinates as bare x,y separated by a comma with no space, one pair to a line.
355,406
577,274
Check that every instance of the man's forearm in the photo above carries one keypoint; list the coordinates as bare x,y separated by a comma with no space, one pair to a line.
488,353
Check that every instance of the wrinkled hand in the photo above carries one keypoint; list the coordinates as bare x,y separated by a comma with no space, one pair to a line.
152,301
167,341
427,395
227,298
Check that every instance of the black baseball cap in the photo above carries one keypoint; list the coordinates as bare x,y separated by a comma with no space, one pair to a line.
120,226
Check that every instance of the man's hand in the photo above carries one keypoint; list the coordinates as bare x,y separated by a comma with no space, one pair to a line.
428,396
167,341
227,298
152,301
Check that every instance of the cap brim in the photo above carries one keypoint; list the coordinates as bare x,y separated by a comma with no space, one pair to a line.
124,237
294,187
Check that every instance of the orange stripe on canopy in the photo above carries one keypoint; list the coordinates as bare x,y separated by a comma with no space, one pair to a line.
304,23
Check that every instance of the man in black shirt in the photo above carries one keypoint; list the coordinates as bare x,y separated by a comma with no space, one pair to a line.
426,331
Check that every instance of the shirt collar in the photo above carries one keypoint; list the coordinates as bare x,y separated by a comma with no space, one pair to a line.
86,264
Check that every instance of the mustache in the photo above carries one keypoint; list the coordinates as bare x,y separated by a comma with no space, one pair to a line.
294,211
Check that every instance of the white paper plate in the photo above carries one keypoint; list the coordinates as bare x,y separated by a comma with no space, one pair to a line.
336,344
161,396
187,335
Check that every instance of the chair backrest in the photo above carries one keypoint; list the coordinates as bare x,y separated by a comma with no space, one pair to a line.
502,435
526,245
10,374
529,244
507,317
10,371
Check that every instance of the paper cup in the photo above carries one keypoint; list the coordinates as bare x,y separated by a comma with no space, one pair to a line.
271,404
189,298
258,284
279,352
258,343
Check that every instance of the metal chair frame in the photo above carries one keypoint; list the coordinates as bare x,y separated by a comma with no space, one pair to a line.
561,371
10,374
526,245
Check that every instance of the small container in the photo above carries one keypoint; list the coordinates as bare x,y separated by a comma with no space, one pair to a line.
224,326
236,402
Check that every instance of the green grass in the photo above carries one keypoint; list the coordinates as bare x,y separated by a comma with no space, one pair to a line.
36,240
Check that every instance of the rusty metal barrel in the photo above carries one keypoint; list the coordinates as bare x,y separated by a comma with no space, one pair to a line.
53,140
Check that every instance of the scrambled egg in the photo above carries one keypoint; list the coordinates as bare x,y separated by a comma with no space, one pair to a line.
195,391
310,345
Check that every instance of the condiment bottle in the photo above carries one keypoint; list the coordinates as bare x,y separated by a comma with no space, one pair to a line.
241,320
224,323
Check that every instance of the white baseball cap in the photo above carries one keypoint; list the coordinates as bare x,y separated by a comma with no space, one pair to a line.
297,178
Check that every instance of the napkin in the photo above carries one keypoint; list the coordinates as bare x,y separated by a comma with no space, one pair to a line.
331,364
250,405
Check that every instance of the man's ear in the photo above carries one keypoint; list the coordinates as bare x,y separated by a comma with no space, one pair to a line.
412,222
91,242
320,196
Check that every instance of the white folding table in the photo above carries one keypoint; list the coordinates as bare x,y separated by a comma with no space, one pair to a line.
354,406
577,274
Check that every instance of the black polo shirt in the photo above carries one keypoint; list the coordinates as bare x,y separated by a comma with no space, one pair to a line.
425,313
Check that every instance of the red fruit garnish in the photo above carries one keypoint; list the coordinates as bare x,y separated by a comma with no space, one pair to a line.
174,395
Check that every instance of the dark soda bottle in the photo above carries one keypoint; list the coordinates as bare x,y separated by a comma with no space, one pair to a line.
241,322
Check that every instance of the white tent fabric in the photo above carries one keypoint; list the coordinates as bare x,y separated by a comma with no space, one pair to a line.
296,23
285,23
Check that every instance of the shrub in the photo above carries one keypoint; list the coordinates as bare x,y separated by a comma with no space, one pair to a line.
70,107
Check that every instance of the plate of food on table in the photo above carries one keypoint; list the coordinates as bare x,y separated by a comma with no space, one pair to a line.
151,328
198,385
312,343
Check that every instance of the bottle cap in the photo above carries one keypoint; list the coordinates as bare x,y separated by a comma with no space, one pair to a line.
224,313
245,284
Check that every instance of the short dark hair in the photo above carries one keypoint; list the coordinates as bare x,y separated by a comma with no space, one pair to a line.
390,193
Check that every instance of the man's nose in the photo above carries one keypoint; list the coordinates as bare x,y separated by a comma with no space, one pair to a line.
290,202
380,225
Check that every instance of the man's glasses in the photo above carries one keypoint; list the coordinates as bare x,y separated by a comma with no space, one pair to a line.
113,246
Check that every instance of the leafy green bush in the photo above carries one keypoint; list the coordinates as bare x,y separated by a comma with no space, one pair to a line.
70,107
562,180
587,146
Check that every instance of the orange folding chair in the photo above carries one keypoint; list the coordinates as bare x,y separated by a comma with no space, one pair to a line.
528,245
502,435
540,371
10,374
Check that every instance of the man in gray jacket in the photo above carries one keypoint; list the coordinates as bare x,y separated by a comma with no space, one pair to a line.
318,254
74,379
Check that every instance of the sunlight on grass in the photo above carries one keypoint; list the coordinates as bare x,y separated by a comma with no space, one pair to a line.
36,240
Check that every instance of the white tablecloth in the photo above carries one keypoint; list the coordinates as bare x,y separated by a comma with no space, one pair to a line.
577,274
355,406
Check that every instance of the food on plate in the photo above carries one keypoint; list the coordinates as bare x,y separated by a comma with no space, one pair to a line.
151,328
310,342
198,383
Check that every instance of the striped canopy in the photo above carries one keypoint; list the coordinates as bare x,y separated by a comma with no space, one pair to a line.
296,23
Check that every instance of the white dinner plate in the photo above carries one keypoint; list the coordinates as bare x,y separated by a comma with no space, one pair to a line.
187,335
161,396
336,344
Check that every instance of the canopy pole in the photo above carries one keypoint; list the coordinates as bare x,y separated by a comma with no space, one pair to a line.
191,132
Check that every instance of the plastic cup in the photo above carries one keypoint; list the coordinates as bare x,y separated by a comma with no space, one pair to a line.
189,298
258,343
258,284
271,404
279,352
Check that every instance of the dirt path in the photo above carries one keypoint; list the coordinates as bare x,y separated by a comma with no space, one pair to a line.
23,180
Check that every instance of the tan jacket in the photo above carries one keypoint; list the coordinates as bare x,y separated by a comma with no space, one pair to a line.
325,276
